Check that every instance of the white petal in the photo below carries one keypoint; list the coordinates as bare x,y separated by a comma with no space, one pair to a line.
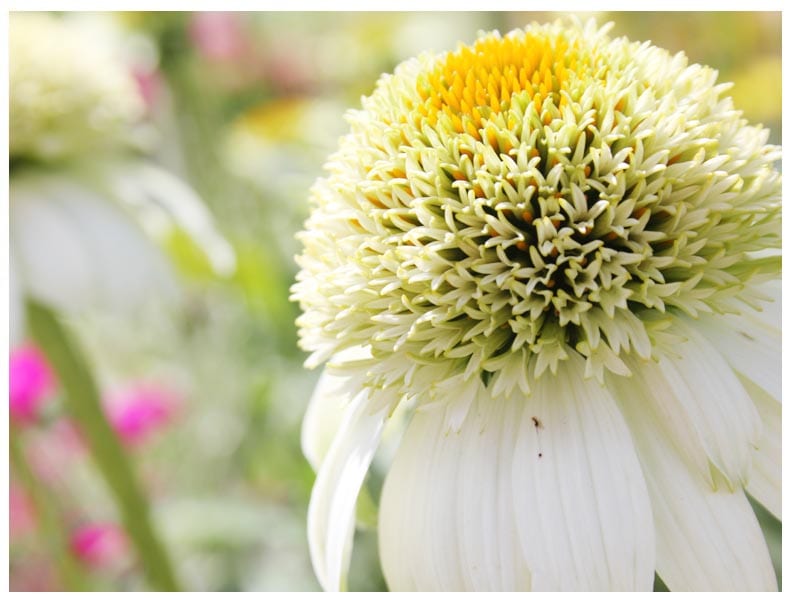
338,384
54,262
446,520
705,539
583,512
751,342
667,411
765,478
330,400
162,200
703,389
76,250
130,269
331,515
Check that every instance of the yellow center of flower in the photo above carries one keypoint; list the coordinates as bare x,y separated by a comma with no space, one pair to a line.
478,81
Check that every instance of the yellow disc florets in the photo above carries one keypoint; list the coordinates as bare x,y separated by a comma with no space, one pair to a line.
548,191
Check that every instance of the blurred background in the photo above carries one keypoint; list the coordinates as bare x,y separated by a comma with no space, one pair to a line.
204,388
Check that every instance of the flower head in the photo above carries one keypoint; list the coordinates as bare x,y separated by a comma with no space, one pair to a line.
529,195
503,223
51,117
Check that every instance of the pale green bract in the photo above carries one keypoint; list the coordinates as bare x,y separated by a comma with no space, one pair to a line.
633,191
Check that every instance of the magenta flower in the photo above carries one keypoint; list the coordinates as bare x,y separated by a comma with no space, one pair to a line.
136,412
31,381
99,544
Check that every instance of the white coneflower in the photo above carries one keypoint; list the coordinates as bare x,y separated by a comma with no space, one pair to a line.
82,207
560,249
67,93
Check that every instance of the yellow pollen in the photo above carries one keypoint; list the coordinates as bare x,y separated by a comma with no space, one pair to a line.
475,82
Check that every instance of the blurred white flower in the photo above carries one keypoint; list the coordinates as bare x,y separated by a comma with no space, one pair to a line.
84,209
68,94
563,250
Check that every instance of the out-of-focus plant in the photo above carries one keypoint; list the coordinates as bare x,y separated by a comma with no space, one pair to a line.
88,213
85,203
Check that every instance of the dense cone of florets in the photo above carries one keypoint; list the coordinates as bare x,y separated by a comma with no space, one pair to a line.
67,94
497,206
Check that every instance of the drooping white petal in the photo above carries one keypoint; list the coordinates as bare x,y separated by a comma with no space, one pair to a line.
446,520
703,389
54,263
331,515
706,539
338,384
330,400
162,201
751,341
582,507
765,478
76,250
130,269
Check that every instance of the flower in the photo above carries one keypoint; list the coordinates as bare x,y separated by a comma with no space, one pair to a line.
84,209
30,382
139,410
86,103
560,251
99,545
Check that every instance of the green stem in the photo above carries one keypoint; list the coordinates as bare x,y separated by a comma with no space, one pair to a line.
83,402
48,520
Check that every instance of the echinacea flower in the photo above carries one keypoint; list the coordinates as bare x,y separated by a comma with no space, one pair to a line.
560,252
84,208
30,382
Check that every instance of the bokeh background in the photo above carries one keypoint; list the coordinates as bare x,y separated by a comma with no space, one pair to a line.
245,108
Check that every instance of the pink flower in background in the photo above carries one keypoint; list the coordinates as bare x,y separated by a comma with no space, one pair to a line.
218,36
99,544
31,381
138,411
